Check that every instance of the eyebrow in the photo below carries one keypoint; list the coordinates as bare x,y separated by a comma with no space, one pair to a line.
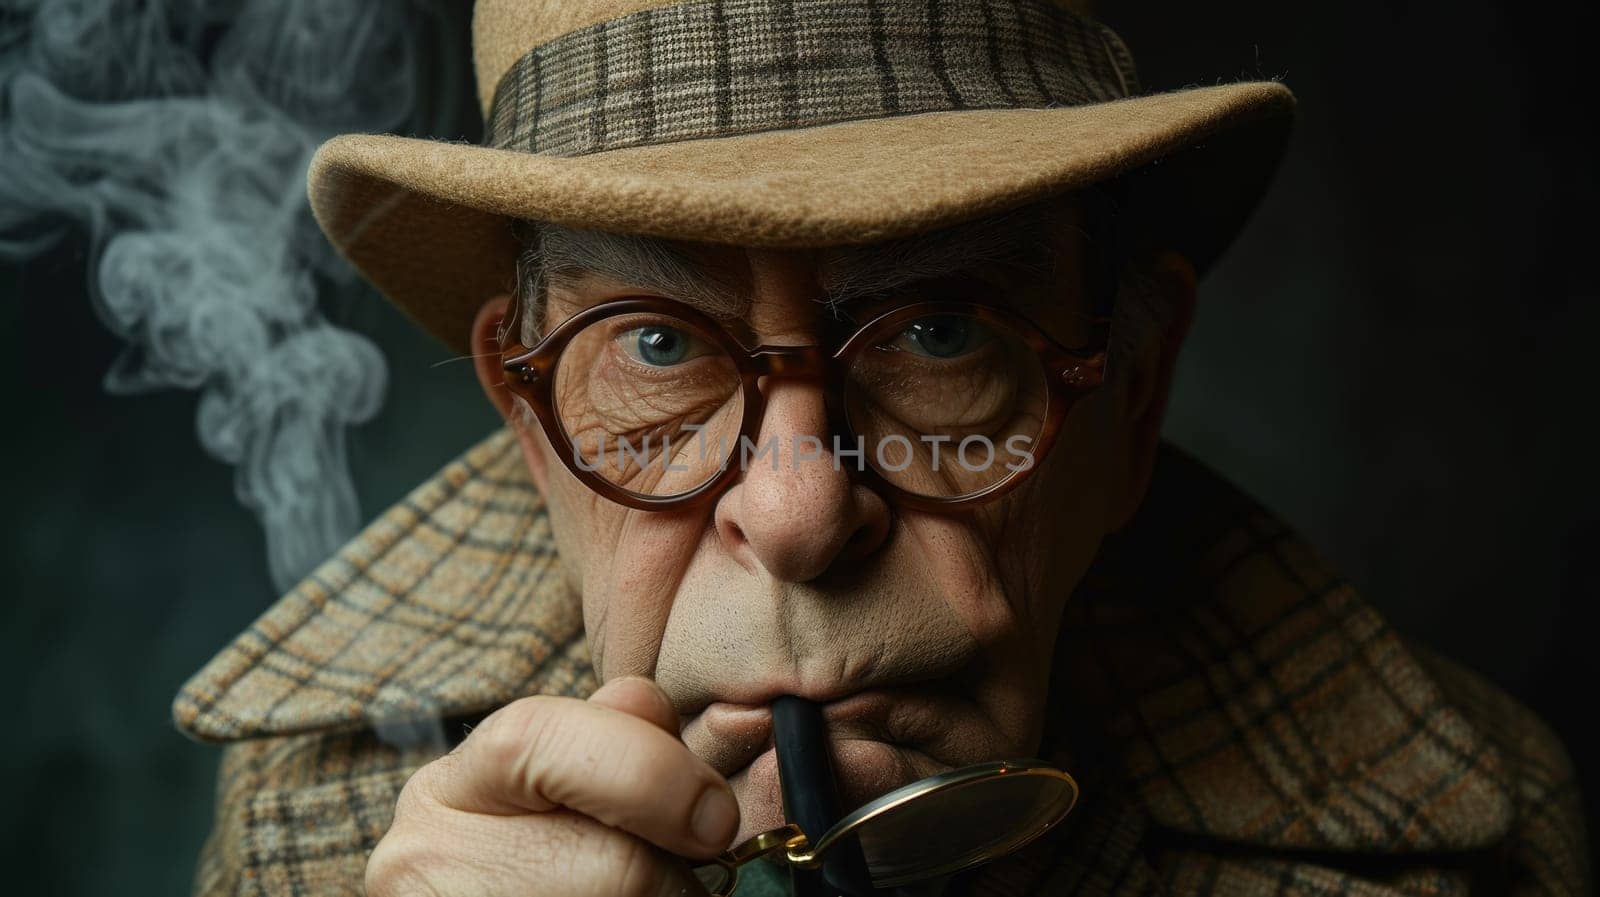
567,254
1017,242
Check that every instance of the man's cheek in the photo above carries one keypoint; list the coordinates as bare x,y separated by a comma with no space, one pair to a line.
645,558
1046,534
585,527
962,562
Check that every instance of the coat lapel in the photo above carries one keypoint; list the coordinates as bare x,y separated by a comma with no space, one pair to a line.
1254,698
450,603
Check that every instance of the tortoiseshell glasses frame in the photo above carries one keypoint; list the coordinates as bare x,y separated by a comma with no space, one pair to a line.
1069,375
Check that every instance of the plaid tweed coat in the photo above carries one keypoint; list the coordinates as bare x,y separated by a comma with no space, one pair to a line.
1240,721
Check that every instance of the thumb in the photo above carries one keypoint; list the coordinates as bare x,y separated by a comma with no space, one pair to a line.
640,697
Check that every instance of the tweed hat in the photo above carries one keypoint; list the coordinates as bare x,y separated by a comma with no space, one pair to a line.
783,123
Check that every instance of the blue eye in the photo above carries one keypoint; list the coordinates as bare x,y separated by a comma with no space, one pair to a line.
659,346
945,336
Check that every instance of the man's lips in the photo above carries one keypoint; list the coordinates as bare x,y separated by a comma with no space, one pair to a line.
730,735
879,739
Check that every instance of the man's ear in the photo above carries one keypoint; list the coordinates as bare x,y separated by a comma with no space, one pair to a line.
1149,385
492,377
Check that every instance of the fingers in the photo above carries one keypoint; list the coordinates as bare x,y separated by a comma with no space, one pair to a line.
556,796
640,697
544,753
550,854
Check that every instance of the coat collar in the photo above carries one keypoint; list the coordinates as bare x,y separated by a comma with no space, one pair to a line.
1237,690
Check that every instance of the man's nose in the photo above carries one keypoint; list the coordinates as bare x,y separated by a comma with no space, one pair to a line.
791,512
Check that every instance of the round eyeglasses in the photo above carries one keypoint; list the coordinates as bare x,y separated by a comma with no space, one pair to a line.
938,405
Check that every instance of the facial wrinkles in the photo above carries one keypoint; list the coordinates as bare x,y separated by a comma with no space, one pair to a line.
683,271
1014,604
965,598
734,637
1050,530
643,579
634,561
841,632
968,554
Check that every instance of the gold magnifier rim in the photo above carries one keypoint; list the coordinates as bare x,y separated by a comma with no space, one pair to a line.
809,856
798,850
785,838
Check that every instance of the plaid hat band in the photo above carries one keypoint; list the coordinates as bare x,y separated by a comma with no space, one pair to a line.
714,68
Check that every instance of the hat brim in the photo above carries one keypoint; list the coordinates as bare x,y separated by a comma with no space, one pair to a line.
425,221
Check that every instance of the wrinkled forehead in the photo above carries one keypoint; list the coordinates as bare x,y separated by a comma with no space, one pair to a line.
1019,258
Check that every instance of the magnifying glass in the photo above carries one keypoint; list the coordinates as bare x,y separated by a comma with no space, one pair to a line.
930,828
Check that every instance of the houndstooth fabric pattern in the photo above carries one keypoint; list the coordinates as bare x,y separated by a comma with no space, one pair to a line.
713,68
1240,721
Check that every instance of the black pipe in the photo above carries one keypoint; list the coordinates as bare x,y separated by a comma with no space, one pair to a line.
811,798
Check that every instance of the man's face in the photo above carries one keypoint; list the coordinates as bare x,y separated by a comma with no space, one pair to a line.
927,637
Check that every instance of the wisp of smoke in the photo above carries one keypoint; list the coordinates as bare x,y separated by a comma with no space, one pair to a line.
176,133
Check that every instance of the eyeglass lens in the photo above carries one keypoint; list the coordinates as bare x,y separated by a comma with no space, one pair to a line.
943,406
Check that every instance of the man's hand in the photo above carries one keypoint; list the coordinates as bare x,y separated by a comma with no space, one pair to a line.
557,796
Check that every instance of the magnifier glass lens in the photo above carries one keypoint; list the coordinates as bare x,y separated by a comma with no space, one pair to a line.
945,831
714,878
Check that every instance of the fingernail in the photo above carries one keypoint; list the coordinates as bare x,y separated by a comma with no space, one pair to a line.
715,816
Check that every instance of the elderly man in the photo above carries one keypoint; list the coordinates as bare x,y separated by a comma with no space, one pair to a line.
833,342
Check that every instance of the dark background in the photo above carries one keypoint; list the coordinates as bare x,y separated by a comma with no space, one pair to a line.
1396,356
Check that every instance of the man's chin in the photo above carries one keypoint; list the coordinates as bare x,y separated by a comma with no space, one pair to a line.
864,770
